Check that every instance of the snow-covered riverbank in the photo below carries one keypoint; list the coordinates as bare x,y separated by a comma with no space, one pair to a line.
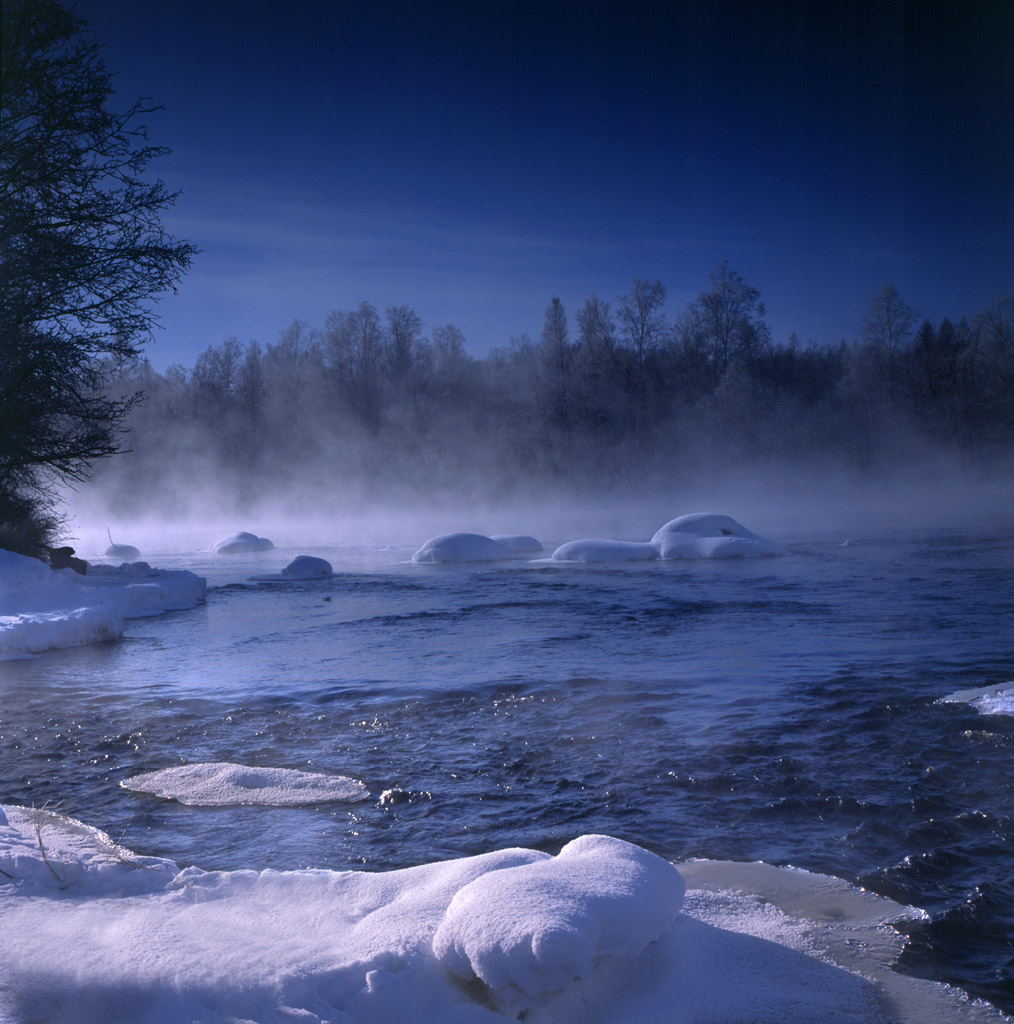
603,932
41,609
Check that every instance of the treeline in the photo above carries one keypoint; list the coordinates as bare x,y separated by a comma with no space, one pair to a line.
614,395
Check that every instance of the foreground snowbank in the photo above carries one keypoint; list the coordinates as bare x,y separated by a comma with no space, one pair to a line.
698,535
41,609
93,933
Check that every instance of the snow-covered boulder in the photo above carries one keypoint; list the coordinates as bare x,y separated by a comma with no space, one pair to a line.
519,543
462,547
124,552
306,567
221,783
241,543
531,929
708,535
604,551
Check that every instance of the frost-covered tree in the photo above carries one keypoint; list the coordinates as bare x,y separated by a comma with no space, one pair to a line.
731,316
642,325
354,349
555,354
888,325
83,253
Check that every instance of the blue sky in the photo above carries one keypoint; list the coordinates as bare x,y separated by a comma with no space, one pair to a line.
473,159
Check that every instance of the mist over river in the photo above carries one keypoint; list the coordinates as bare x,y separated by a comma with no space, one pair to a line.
780,709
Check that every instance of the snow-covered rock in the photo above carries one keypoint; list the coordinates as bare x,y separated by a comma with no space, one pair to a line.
698,535
604,551
519,543
708,535
241,543
124,552
306,567
462,547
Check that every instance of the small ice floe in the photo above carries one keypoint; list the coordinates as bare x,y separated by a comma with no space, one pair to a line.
241,543
462,547
519,543
124,552
223,784
303,567
987,700
698,535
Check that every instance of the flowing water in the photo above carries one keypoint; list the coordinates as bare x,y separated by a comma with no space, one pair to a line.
778,709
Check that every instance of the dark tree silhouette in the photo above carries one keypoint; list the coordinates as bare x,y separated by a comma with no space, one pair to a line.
83,255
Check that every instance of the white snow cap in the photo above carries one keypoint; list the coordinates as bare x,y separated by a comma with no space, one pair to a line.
531,929
698,535
305,567
605,551
462,547
519,543
221,784
708,535
241,543
124,552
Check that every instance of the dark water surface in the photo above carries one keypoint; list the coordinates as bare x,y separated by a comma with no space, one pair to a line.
782,709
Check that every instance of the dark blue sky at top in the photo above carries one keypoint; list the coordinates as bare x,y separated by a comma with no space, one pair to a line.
474,159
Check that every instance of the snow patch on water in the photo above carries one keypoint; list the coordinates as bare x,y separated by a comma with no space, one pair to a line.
223,784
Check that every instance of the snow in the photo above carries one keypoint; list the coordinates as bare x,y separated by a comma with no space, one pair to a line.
698,535
708,535
529,930
94,934
462,547
604,551
241,543
221,784
519,543
987,700
303,567
124,552
41,609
